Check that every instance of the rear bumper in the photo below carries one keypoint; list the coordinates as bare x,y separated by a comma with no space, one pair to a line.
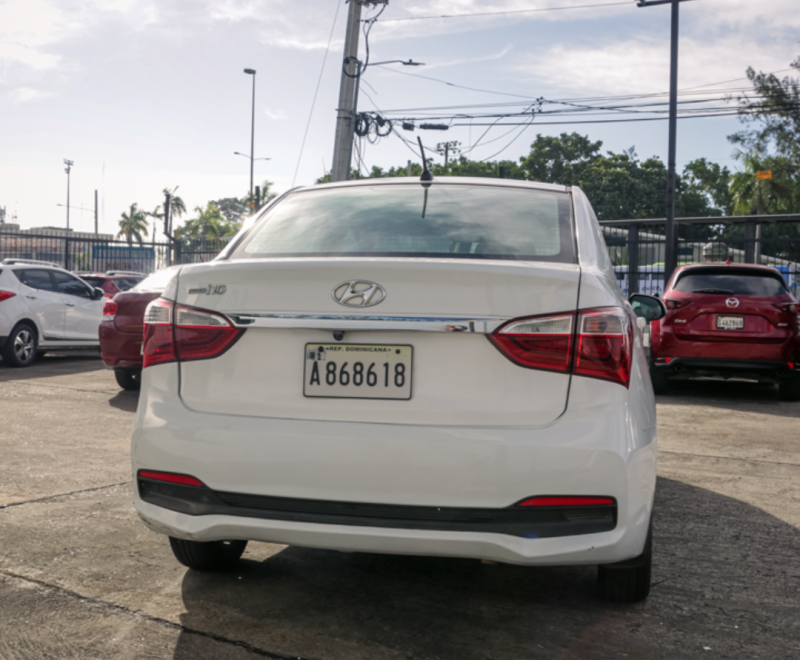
682,367
408,470
119,349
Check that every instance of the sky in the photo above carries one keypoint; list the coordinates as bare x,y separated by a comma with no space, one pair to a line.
145,94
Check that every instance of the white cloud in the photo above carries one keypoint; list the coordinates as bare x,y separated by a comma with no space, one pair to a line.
25,94
278,115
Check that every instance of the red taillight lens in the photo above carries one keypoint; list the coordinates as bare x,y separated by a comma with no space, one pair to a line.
538,343
109,310
784,307
182,333
171,477
673,303
602,341
605,340
567,501
5,295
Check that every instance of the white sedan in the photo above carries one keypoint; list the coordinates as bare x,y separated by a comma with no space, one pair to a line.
400,366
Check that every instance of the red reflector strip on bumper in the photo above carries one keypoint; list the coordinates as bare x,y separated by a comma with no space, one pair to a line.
567,501
182,479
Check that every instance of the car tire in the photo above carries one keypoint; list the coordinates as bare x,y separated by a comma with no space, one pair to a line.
128,379
211,556
628,581
659,380
789,388
20,348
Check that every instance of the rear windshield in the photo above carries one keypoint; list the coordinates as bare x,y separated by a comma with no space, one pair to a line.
445,221
126,283
738,283
94,281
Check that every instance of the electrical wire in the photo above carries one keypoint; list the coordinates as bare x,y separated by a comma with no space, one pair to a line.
498,13
316,92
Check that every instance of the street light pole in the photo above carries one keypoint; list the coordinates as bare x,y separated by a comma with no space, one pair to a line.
67,169
671,238
252,72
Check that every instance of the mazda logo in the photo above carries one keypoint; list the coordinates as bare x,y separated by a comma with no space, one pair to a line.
358,293
732,302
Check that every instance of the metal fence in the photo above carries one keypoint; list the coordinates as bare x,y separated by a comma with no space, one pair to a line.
637,247
97,254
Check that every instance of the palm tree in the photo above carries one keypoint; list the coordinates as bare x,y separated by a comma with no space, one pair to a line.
133,224
208,223
753,195
176,206
157,215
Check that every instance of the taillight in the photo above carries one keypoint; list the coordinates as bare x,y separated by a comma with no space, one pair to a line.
538,343
674,303
182,333
598,344
784,307
109,310
605,339
5,295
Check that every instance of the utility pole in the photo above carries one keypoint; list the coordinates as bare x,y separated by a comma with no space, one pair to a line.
671,248
446,147
95,214
67,169
345,119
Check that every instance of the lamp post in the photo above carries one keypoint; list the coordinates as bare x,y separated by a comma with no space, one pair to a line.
67,169
252,201
252,72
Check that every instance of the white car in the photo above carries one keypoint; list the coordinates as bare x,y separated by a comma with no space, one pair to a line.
45,307
430,368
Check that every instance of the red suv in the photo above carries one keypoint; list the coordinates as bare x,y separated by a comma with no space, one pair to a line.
728,320
122,327
113,281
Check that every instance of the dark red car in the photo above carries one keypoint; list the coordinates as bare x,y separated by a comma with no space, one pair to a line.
728,320
113,281
123,324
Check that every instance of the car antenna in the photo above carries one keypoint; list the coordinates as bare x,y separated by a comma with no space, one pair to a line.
426,175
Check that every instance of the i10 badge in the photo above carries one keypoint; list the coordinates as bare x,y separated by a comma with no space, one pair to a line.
358,371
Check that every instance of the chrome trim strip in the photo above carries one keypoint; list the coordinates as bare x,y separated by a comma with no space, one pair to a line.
353,323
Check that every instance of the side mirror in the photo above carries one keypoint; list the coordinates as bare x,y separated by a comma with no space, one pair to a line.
648,308
97,293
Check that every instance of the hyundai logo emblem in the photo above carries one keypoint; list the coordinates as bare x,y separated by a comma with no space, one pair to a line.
732,302
358,293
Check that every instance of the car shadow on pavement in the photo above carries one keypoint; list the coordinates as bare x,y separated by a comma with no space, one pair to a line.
724,578
730,394
62,363
126,400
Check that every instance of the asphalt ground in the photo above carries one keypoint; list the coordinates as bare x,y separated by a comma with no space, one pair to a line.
81,577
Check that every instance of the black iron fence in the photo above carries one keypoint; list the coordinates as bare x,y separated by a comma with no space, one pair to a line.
96,254
637,247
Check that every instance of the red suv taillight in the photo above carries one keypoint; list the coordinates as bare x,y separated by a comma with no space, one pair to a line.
109,310
674,303
598,345
179,333
5,295
784,307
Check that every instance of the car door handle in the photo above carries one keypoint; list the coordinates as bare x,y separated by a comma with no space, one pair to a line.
31,297
70,304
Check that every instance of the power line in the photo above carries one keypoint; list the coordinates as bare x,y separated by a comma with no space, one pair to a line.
499,13
316,91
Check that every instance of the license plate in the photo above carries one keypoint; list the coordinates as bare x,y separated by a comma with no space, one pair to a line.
358,371
730,322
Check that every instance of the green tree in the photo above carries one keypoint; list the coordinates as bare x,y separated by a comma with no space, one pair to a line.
209,223
751,195
176,206
711,182
133,225
560,159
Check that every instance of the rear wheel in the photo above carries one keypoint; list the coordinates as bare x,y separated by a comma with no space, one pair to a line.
128,379
628,581
20,348
789,388
211,556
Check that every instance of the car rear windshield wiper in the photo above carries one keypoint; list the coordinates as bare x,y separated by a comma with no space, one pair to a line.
722,291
